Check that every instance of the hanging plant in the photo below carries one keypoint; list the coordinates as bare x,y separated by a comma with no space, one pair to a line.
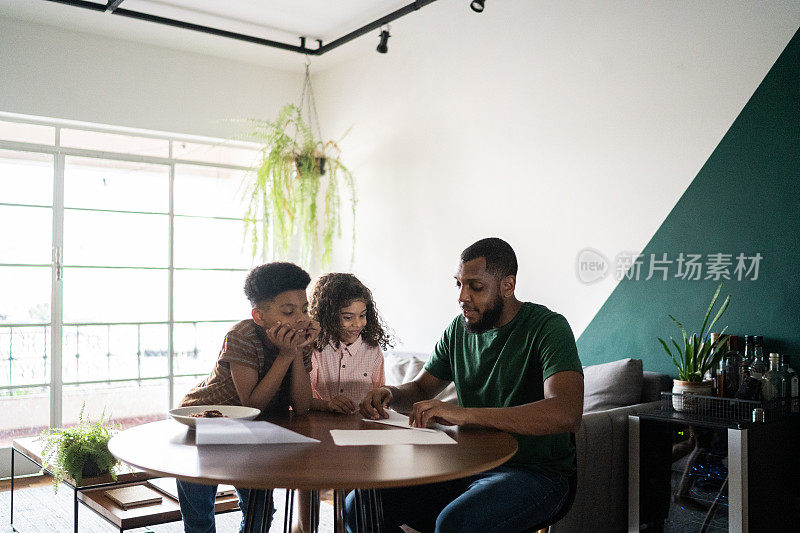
295,187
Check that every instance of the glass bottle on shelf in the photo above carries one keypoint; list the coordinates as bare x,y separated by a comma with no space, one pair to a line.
749,381
760,365
711,373
719,374
793,385
733,362
749,388
773,385
748,358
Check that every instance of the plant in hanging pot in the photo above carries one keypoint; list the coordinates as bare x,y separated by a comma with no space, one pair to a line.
695,356
295,188
80,451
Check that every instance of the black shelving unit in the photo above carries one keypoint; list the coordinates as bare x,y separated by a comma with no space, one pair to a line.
698,473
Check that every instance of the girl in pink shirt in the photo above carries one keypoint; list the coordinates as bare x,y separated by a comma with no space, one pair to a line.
348,358
348,361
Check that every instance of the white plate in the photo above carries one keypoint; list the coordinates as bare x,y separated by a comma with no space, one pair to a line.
181,414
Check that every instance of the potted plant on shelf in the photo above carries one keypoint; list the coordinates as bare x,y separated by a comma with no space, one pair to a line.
695,356
79,451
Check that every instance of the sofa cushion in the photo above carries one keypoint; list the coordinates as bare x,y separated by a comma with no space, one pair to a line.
402,367
653,384
610,385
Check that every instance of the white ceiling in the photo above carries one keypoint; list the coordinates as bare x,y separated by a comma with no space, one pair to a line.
279,20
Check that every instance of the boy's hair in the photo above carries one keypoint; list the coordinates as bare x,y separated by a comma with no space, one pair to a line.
501,261
331,293
265,282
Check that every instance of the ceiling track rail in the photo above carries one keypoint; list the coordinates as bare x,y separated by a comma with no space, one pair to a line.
113,8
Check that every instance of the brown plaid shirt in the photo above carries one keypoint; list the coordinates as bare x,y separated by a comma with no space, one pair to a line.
245,343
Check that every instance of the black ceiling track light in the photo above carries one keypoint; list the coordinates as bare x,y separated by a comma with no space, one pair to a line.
383,45
477,5
113,8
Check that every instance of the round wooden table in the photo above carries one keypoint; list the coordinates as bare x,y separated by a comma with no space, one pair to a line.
168,448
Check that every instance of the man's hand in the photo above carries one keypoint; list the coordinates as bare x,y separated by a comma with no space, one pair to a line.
430,411
375,403
342,404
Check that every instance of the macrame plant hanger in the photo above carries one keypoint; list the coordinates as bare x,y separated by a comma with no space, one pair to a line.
309,117
308,106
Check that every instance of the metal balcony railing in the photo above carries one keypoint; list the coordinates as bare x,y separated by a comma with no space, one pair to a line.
100,353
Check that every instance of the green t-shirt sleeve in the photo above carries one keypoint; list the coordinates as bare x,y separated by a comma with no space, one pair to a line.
440,364
556,347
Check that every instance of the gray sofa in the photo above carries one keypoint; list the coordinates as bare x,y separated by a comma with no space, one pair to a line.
612,391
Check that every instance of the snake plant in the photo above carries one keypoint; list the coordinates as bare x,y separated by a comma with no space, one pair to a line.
696,355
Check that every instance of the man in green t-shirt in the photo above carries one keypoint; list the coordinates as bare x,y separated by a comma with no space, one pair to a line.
515,368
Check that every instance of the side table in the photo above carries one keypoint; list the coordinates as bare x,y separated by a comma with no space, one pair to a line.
91,493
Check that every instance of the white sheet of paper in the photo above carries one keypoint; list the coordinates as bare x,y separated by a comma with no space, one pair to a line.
228,431
382,437
398,420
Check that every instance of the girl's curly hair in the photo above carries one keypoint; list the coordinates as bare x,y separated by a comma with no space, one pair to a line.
331,293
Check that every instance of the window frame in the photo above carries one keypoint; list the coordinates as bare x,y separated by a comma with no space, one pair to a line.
59,154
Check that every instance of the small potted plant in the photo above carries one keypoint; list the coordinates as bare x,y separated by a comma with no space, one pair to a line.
695,356
79,451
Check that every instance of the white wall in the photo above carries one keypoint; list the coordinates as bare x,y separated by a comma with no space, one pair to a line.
53,72
555,125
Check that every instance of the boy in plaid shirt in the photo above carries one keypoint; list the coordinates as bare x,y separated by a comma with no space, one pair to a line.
264,363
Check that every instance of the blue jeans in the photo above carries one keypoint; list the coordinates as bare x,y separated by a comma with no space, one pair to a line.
505,499
197,507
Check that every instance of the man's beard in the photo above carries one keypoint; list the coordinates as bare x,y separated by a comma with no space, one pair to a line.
488,319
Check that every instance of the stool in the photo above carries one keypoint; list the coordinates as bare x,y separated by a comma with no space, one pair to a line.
544,527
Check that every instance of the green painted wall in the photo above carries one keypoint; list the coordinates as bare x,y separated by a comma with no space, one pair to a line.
745,199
